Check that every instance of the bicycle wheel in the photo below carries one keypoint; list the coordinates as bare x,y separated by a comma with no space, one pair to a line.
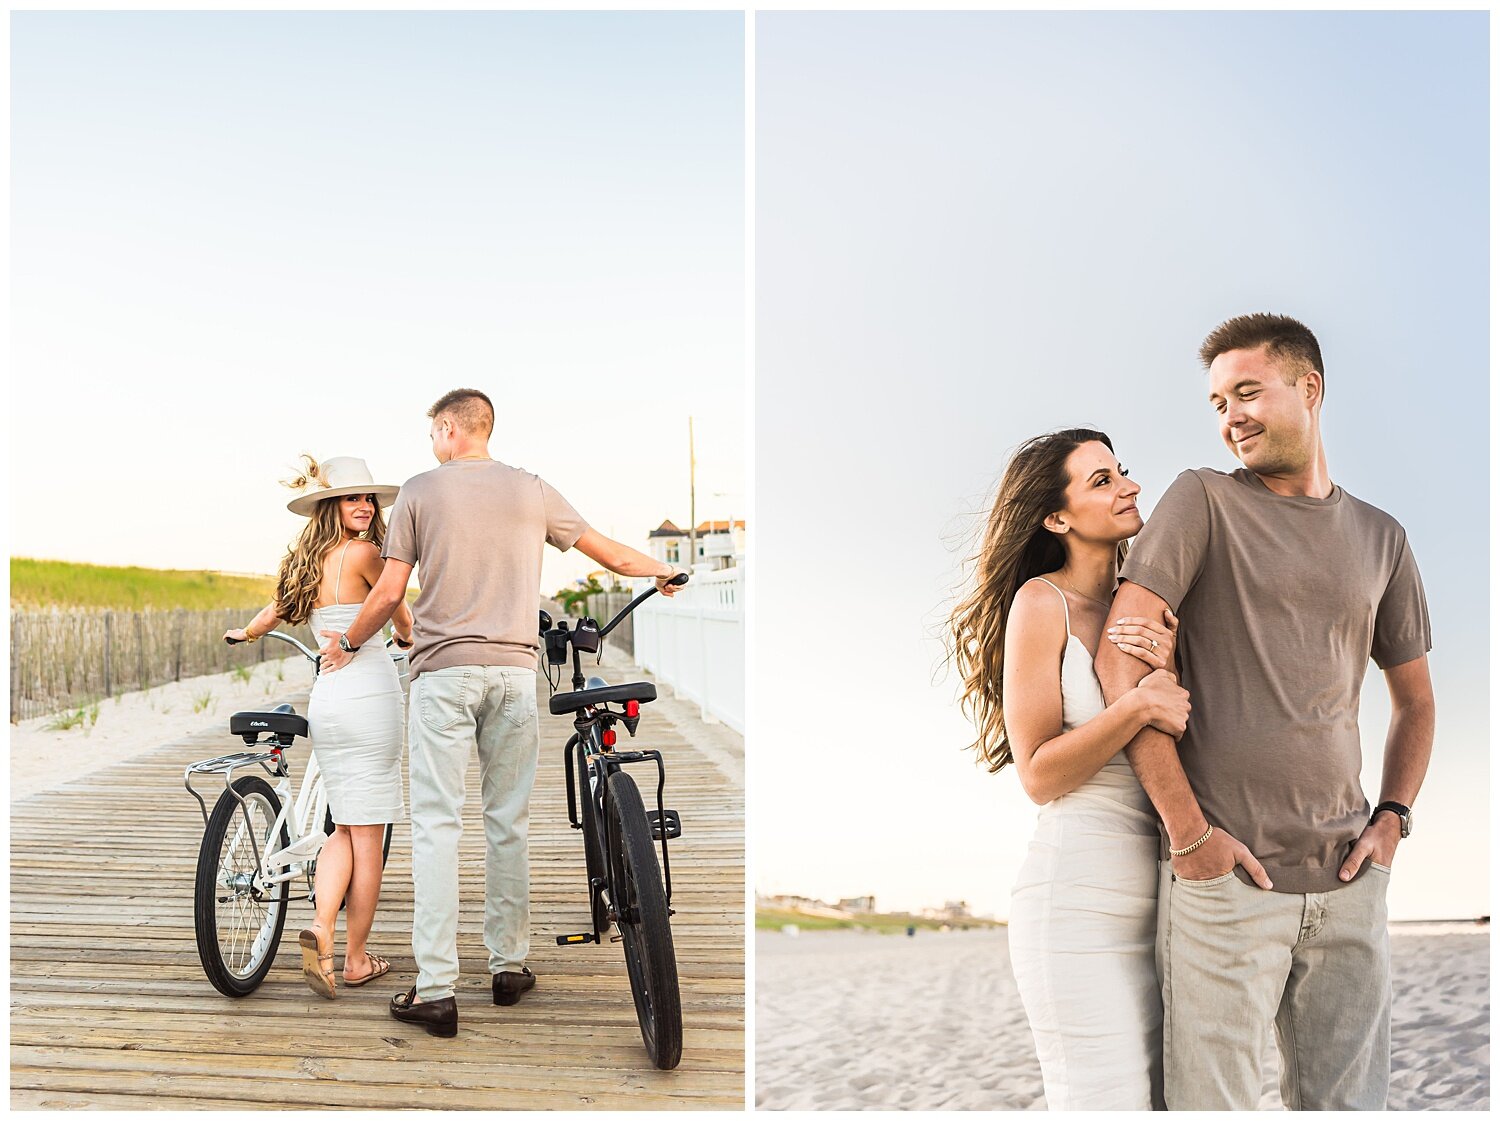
239,928
593,854
641,903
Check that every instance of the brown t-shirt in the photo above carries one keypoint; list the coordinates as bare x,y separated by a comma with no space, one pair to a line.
475,528
1283,602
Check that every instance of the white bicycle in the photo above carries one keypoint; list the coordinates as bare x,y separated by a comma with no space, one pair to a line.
257,840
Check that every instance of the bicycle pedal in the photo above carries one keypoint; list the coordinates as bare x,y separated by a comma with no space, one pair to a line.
576,939
669,818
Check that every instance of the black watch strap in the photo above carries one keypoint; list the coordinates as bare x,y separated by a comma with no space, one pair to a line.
344,645
1403,815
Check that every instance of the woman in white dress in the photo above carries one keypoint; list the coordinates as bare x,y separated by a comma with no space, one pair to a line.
354,714
1083,910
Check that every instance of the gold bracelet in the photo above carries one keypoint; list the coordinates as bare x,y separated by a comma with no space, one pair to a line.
250,637
1195,844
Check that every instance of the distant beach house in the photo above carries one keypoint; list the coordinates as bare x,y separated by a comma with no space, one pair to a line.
718,544
953,910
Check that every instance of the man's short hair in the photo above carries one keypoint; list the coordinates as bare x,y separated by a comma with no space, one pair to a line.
470,410
1289,342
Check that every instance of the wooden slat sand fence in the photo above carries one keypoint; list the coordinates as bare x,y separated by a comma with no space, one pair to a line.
110,1008
64,659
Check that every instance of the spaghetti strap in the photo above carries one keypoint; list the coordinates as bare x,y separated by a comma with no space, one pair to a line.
1067,618
339,579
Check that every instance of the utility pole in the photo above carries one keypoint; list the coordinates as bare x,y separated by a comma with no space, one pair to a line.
692,501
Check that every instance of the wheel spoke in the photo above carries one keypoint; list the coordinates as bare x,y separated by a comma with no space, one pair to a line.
245,923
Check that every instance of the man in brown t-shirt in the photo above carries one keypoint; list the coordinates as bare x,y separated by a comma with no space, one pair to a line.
476,527
1272,907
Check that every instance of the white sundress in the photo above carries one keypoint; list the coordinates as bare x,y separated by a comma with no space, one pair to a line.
355,722
1083,926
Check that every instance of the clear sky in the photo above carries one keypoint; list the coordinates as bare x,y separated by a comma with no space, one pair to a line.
238,237
972,228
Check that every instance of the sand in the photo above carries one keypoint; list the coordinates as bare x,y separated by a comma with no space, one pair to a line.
849,1020
130,723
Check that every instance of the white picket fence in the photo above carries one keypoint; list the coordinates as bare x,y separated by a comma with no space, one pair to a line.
695,642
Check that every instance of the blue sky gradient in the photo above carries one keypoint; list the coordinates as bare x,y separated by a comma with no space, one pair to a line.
241,236
975,227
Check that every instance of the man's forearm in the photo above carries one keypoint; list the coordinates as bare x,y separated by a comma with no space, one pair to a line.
1153,754
629,562
372,617
1153,757
1408,750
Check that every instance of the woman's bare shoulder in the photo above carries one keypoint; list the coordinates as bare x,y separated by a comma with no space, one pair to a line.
1038,599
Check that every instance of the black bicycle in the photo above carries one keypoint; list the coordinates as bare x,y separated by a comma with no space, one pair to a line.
627,887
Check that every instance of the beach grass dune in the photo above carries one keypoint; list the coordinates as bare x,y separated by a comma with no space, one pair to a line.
896,922
49,583
851,1020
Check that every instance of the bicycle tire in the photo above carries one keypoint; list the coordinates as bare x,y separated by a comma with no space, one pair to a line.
263,918
645,929
593,853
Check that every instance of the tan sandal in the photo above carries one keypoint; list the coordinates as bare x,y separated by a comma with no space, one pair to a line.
319,980
379,968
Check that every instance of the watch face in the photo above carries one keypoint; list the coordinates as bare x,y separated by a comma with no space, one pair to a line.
1406,824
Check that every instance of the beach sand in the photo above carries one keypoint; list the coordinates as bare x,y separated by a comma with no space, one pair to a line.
851,1020
131,723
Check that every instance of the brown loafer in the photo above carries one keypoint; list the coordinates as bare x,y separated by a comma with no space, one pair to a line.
439,1017
508,987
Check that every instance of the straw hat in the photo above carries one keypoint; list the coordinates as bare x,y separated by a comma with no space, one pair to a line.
336,477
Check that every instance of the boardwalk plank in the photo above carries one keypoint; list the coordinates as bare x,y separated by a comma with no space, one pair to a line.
110,1008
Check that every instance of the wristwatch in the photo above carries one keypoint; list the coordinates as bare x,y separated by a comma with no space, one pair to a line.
1401,812
344,645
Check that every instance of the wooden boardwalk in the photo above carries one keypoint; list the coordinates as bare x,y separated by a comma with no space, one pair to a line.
110,1007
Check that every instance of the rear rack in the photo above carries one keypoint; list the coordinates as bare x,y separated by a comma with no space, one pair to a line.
271,762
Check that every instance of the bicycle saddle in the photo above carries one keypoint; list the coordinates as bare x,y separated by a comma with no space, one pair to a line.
282,722
562,703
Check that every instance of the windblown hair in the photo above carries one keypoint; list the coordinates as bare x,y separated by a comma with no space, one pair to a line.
470,409
1289,342
301,573
1015,547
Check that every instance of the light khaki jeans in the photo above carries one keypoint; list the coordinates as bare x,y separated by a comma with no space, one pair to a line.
1234,959
451,711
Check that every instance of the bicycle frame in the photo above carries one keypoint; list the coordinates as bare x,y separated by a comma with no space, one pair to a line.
586,739
303,815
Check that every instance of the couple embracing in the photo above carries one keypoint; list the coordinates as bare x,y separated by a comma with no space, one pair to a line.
1205,865
476,527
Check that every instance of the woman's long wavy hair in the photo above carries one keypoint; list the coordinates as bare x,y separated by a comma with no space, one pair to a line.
1014,548
301,573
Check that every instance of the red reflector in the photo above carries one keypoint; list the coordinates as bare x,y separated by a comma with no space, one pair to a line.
632,709
609,738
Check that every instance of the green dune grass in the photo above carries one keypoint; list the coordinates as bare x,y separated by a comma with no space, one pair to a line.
774,918
40,584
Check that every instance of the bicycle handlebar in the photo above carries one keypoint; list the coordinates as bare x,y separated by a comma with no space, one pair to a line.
677,581
311,655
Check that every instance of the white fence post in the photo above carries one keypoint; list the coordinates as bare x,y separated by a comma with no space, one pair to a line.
695,642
